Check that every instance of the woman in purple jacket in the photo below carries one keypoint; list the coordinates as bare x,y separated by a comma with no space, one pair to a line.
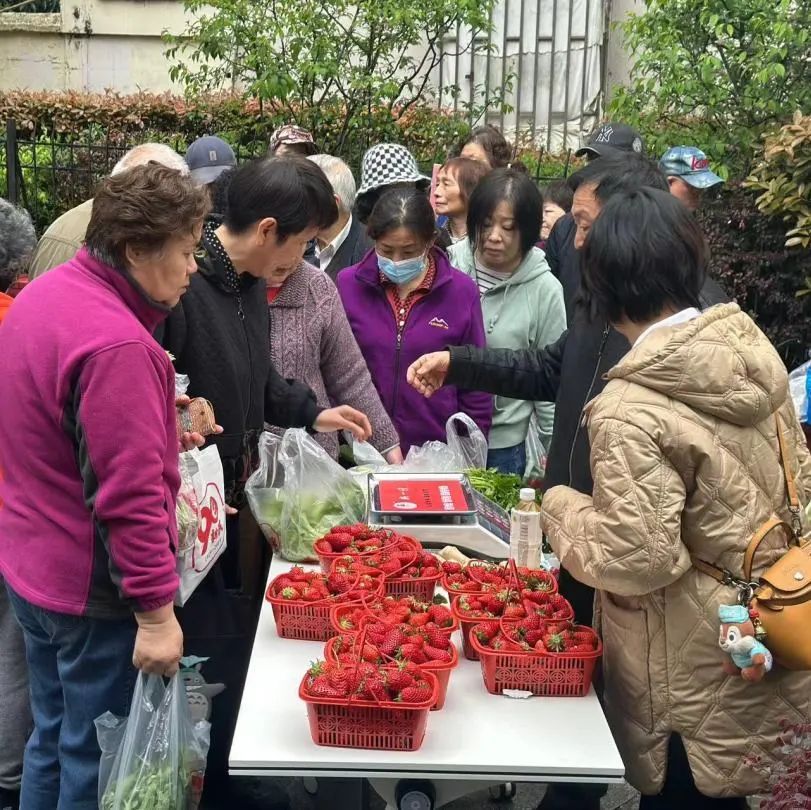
405,299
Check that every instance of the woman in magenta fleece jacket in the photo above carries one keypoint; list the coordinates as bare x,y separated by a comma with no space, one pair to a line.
89,453
405,299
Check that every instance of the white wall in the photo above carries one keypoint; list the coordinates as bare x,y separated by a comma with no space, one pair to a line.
618,61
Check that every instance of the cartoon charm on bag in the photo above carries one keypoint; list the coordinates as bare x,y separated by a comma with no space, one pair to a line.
748,657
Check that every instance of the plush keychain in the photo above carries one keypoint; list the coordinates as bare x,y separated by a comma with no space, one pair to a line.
747,656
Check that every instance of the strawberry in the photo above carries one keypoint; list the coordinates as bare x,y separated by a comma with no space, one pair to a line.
581,648
340,541
310,594
419,619
437,637
399,679
290,593
584,637
430,571
323,546
436,654
450,567
393,639
486,631
374,686
441,615
411,652
347,623
297,574
321,687
555,642
420,693
513,611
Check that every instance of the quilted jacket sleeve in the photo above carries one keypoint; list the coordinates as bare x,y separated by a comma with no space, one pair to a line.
626,538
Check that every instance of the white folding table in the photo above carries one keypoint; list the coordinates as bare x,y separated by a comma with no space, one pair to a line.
476,738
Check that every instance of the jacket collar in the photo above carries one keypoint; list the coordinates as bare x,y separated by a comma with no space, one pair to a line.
214,268
148,311
369,273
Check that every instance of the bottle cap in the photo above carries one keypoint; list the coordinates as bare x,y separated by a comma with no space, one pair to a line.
527,494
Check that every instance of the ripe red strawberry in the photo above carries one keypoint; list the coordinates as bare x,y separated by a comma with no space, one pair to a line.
290,593
419,619
419,693
374,686
399,679
555,642
323,546
513,611
437,637
340,541
584,637
392,640
450,567
486,631
356,530
436,654
441,615
297,574
411,652
430,571
321,687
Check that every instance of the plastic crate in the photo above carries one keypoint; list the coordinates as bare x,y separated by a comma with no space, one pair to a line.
467,624
305,621
384,726
421,588
442,671
547,675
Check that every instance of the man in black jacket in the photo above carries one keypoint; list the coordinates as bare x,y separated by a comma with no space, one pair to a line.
219,337
569,372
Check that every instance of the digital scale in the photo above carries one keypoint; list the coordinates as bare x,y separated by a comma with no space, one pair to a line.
439,509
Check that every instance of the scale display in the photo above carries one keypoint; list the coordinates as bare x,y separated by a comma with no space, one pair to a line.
425,496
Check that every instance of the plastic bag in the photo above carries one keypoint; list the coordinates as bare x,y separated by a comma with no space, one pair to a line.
200,518
459,454
155,759
799,383
299,493
536,454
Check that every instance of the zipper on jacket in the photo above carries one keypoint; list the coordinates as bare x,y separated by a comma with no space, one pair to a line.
603,342
241,315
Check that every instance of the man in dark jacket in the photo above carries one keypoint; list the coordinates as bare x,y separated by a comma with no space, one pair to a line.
219,337
569,372
344,243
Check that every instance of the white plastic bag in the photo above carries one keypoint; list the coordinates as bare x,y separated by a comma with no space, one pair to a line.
200,518
155,759
299,493
536,454
459,454
799,383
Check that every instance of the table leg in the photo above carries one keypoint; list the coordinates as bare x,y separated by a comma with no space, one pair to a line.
346,794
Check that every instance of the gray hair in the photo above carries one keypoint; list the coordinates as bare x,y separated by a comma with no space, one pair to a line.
156,152
18,240
340,178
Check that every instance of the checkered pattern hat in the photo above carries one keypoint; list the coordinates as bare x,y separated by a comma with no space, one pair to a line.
389,163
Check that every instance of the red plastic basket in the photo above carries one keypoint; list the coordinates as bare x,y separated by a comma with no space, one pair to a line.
442,671
307,621
467,625
384,726
341,610
421,588
547,675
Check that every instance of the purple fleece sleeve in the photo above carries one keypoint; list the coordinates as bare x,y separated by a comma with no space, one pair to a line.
126,456
476,404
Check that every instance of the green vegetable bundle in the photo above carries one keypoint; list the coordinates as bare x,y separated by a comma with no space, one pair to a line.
501,488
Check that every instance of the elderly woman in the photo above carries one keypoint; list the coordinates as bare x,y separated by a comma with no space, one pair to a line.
455,183
89,453
687,466
17,243
311,340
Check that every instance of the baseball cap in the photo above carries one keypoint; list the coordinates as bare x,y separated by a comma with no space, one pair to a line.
289,134
612,138
386,164
208,157
689,164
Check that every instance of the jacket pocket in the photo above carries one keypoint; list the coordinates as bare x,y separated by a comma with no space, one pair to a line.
626,672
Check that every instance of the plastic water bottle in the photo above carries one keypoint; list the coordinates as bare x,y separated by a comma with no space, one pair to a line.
525,530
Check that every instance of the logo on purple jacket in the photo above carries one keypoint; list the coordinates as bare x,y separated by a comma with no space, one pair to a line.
439,323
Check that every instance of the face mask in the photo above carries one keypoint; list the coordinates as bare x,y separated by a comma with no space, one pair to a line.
403,271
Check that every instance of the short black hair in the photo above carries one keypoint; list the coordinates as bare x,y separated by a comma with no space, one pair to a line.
403,208
218,191
559,193
514,187
492,140
643,253
292,190
623,171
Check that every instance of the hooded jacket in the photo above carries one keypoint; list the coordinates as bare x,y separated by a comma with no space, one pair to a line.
449,313
685,460
524,312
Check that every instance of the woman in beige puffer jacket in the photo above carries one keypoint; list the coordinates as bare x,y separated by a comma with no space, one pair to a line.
685,460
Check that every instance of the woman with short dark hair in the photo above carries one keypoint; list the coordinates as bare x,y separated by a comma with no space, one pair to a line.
487,145
557,202
403,300
89,456
522,301
686,464
455,183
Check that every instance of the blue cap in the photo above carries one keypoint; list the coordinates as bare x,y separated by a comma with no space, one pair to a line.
689,164
208,157
733,614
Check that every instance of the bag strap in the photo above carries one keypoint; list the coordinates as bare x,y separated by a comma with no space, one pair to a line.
794,531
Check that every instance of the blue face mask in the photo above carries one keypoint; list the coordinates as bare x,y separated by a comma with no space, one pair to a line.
403,271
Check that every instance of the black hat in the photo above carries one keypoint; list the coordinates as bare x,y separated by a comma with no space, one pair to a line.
612,138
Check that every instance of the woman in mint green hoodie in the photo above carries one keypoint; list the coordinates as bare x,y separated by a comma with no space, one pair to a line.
522,301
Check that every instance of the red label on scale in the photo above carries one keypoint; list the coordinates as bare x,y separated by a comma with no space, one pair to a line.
422,496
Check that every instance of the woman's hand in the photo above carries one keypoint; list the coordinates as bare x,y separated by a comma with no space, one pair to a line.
344,418
158,642
188,441
394,456
428,374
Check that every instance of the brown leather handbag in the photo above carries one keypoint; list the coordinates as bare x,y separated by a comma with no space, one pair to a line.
780,600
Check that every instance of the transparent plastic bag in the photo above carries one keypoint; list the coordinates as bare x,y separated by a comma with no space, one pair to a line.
536,454
299,493
460,453
200,514
799,383
155,759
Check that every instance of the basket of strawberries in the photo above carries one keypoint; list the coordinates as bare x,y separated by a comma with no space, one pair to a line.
479,575
302,600
545,658
418,574
366,705
429,647
405,610
358,540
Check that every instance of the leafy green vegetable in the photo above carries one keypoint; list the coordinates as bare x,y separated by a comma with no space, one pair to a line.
501,488
156,787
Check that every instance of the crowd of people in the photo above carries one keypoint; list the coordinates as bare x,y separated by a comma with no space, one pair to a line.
291,296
